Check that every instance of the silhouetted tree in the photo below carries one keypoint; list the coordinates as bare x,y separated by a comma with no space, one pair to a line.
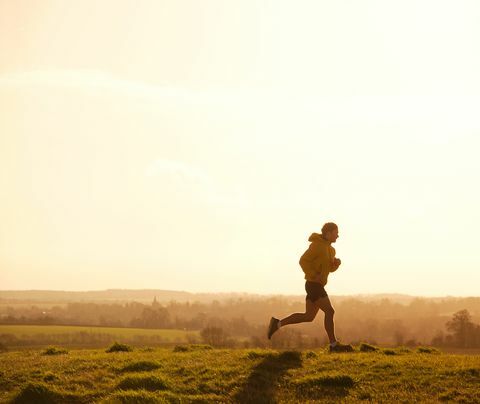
214,336
462,328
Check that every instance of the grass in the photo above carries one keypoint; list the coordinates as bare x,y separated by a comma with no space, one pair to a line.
141,366
238,375
139,382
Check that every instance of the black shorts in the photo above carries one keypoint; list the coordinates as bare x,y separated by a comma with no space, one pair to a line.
314,290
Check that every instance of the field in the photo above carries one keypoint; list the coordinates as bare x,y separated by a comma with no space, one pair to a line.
32,330
40,335
198,373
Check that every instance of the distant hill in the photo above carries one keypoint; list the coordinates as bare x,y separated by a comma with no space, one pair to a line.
111,295
147,295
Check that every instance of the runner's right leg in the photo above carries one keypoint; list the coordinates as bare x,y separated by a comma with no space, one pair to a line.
325,305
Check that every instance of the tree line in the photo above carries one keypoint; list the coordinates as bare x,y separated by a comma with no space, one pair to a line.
441,322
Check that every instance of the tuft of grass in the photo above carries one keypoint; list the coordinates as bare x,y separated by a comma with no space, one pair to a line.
51,350
135,397
449,395
389,352
42,393
49,377
310,354
469,372
150,383
258,353
364,347
290,356
39,393
364,395
428,350
191,347
140,366
338,380
117,347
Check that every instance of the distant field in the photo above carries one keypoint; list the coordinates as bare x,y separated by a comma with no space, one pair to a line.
71,336
21,330
201,374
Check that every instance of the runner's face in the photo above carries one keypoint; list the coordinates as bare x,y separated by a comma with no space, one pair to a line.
332,235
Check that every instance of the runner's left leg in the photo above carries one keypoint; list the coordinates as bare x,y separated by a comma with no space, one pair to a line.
311,310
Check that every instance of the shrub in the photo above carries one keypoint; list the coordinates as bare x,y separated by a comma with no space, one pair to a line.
150,383
51,350
215,336
429,350
117,347
191,347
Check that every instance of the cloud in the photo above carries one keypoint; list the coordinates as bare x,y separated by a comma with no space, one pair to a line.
98,81
85,79
441,113
197,182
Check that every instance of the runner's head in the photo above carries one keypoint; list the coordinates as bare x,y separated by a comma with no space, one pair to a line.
330,232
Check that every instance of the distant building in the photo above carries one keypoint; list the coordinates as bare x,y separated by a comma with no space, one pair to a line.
155,303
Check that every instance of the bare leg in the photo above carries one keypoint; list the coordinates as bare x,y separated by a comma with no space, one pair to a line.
311,309
325,305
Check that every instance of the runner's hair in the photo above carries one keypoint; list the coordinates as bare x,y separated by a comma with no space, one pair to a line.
329,227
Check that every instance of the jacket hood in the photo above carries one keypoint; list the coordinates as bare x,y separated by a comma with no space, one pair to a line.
316,237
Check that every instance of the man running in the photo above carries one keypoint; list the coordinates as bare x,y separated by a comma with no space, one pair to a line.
317,262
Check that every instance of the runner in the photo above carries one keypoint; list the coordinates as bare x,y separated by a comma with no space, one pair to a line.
317,262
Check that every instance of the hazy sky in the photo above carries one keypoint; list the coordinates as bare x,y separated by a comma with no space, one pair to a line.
195,145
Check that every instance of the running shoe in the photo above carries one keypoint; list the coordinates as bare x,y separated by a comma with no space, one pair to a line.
341,348
272,327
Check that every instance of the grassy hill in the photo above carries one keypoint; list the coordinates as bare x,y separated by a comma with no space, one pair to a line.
198,373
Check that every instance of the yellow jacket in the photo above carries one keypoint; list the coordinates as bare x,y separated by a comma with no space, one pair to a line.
318,259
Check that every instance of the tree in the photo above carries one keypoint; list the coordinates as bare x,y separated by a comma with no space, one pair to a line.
214,336
462,328
438,339
153,318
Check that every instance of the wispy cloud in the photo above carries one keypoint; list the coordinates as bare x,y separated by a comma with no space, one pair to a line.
94,80
101,81
197,182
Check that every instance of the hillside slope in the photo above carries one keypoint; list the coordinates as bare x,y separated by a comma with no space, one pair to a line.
196,373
